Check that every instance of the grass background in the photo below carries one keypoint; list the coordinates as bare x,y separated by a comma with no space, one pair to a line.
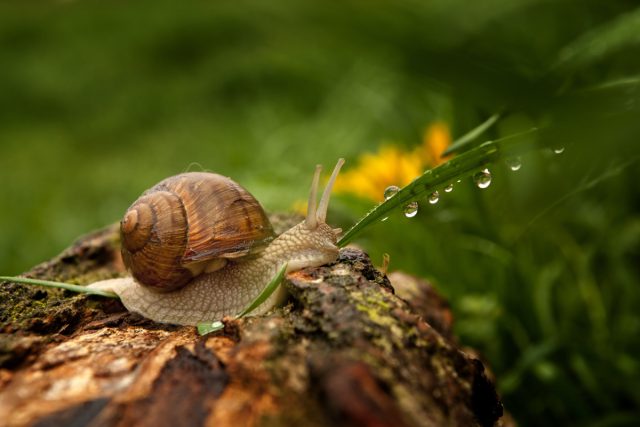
100,100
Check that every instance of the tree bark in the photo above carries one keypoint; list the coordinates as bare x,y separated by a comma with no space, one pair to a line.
346,350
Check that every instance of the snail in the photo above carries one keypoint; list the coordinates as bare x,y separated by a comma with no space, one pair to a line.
200,247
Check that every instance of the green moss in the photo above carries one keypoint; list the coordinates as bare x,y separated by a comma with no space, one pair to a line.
42,310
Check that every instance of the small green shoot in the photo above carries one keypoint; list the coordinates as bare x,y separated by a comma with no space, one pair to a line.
209,327
60,285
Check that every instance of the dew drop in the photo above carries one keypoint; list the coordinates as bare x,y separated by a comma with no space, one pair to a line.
411,210
433,197
390,191
482,178
384,219
448,188
514,163
558,150
459,181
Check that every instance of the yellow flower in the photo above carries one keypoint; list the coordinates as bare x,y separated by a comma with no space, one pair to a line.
435,140
375,172
391,165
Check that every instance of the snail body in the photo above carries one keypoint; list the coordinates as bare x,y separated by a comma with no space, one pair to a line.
211,282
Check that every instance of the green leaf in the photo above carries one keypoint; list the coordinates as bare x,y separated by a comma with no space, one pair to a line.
60,285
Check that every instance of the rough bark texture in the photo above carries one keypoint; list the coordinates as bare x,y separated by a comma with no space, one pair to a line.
346,350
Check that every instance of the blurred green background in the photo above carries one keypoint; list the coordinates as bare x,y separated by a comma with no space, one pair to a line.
99,100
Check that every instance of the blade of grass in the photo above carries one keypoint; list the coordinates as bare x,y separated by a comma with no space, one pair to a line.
462,165
604,40
60,285
266,292
208,327
203,328
459,144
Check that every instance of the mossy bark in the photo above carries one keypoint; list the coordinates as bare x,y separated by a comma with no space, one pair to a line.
346,350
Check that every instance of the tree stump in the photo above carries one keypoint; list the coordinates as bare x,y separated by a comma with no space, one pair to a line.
345,350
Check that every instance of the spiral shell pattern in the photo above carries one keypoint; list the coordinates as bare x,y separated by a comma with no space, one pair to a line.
184,222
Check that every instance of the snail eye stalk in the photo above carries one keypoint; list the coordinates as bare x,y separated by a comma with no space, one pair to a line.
321,215
311,221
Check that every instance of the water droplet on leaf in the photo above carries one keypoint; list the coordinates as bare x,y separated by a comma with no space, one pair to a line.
514,163
411,210
433,197
448,188
482,178
558,150
390,191
384,219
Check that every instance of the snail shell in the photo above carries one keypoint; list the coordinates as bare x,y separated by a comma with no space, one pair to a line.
188,222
